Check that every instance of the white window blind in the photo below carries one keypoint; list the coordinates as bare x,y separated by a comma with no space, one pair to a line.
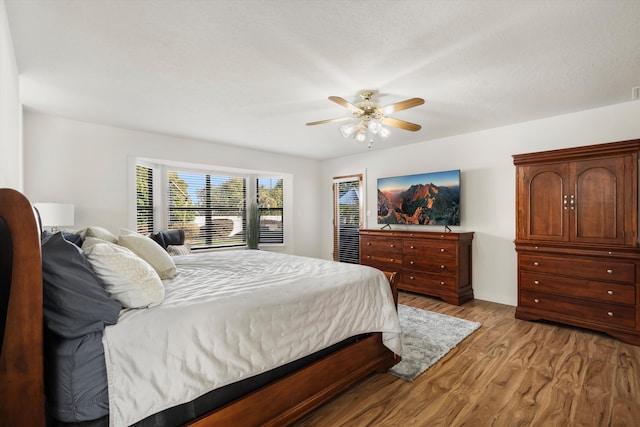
144,199
210,208
270,203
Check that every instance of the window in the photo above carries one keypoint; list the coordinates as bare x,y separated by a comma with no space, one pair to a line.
210,207
269,192
144,199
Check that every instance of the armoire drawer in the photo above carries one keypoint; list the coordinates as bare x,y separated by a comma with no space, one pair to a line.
624,272
578,288
584,310
442,250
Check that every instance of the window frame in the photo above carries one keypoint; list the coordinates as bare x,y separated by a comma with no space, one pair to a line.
161,201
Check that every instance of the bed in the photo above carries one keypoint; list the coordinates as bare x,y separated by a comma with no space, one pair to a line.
272,392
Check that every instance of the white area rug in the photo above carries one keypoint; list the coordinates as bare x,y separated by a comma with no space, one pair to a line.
426,338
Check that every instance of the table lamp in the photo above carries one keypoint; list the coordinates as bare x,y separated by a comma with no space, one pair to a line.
55,215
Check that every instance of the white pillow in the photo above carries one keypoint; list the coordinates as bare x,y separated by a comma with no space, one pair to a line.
128,278
149,251
101,233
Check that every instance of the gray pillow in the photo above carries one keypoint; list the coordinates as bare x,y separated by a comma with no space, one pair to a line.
75,302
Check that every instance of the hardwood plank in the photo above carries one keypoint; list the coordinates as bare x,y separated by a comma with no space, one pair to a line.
510,372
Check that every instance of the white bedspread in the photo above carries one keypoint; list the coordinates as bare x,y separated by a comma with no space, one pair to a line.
231,315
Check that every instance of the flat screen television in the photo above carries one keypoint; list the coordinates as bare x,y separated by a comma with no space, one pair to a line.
423,199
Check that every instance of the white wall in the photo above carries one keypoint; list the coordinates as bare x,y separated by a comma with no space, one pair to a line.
488,181
86,164
10,110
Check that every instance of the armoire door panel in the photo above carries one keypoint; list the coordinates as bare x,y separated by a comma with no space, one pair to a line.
547,213
599,204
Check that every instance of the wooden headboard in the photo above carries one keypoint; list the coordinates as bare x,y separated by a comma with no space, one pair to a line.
21,354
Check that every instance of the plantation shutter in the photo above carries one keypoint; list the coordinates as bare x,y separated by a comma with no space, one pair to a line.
144,199
210,208
270,203
347,193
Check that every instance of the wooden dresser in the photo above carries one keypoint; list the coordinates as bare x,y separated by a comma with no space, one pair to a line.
436,264
577,237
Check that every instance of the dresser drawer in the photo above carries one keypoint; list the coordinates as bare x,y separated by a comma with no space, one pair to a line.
427,281
441,250
624,272
387,260
387,246
579,288
584,310
446,267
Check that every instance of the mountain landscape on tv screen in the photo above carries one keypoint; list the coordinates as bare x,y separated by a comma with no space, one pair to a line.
420,204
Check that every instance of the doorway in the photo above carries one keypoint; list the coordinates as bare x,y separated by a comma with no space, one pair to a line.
347,218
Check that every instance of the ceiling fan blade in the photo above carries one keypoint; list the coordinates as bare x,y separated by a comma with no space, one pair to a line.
402,105
320,122
400,124
346,104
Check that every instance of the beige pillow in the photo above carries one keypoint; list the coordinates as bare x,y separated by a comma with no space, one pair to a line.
127,277
101,233
175,250
149,251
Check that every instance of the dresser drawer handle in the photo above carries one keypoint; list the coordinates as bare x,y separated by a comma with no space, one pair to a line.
368,243
610,292
411,277
443,267
610,313
392,246
536,300
413,247
392,260
536,282
441,249
411,262
610,271
536,263
442,283
368,256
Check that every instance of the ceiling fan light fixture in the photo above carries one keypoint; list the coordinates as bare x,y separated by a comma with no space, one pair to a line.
368,118
348,129
384,132
374,125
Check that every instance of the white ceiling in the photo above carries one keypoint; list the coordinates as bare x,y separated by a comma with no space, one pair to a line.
253,72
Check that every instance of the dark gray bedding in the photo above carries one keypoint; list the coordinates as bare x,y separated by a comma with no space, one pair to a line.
76,385
76,310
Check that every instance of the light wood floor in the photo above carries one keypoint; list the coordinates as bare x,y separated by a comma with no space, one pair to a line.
508,373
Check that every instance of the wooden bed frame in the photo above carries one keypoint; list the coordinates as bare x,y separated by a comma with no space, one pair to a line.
22,359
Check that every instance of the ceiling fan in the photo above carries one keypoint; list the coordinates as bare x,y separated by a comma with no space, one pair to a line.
368,117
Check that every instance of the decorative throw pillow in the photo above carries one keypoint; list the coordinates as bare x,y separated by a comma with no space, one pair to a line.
101,233
149,251
175,250
127,277
75,302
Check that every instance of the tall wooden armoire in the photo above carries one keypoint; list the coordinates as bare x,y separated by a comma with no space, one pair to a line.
577,237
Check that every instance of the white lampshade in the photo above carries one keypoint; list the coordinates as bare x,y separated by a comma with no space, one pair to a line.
55,215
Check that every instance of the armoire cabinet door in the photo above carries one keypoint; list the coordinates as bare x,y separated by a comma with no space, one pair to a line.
597,201
543,209
581,201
